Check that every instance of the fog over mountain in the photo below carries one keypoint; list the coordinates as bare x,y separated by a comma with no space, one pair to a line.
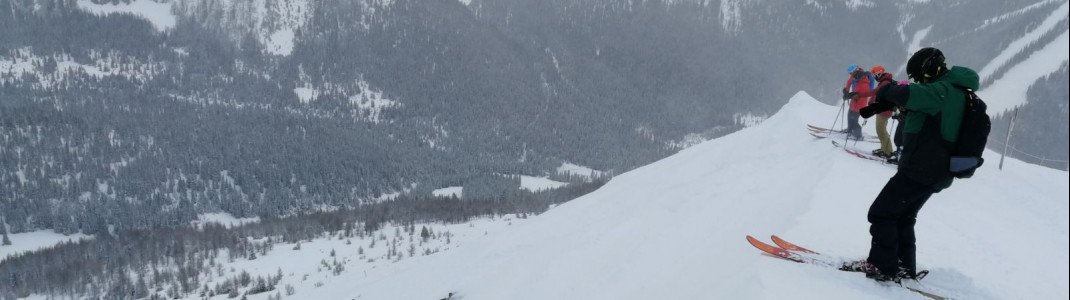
142,114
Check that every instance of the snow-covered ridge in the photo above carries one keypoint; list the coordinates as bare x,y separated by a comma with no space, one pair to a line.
674,230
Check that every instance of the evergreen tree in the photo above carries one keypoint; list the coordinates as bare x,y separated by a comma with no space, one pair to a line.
6,241
424,233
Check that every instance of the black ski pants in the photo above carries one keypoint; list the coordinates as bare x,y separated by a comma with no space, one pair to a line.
891,217
853,129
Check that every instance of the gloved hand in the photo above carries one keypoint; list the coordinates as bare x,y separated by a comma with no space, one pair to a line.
845,94
875,108
850,96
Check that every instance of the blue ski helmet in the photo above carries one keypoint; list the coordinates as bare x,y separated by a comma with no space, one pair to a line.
851,68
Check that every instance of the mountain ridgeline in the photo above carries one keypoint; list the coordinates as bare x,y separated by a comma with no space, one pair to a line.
108,121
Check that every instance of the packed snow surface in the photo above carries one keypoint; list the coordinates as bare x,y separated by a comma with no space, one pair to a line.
675,230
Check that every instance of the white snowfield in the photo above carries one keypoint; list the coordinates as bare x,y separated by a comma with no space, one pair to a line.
675,230
36,240
159,14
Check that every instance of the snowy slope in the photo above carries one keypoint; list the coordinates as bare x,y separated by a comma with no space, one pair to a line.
674,230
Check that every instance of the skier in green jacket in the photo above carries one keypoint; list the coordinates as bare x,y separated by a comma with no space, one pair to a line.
935,103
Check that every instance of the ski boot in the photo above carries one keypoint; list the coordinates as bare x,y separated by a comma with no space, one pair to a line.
871,271
882,154
905,273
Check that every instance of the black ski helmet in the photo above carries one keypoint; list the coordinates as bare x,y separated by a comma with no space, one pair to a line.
926,63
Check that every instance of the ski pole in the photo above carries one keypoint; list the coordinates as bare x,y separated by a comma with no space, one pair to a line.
837,119
847,131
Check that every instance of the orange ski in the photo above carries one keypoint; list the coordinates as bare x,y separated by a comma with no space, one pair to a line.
773,250
789,246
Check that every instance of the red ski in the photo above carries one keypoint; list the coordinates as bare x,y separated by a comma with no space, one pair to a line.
863,156
840,136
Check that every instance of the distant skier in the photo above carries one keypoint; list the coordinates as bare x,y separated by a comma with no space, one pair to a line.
858,90
935,108
883,79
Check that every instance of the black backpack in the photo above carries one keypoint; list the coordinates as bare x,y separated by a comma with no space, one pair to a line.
973,136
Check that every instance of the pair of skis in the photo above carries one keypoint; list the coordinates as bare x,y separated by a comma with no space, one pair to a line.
821,133
792,252
860,154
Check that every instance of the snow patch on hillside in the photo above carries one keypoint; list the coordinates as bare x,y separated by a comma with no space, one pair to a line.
30,241
748,120
274,23
222,218
578,170
52,71
159,14
536,184
293,15
306,94
373,10
281,42
856,4
370,102
732,15
455,191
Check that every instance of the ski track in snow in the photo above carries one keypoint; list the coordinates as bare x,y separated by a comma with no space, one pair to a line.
915,45
1016,47
1010,90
